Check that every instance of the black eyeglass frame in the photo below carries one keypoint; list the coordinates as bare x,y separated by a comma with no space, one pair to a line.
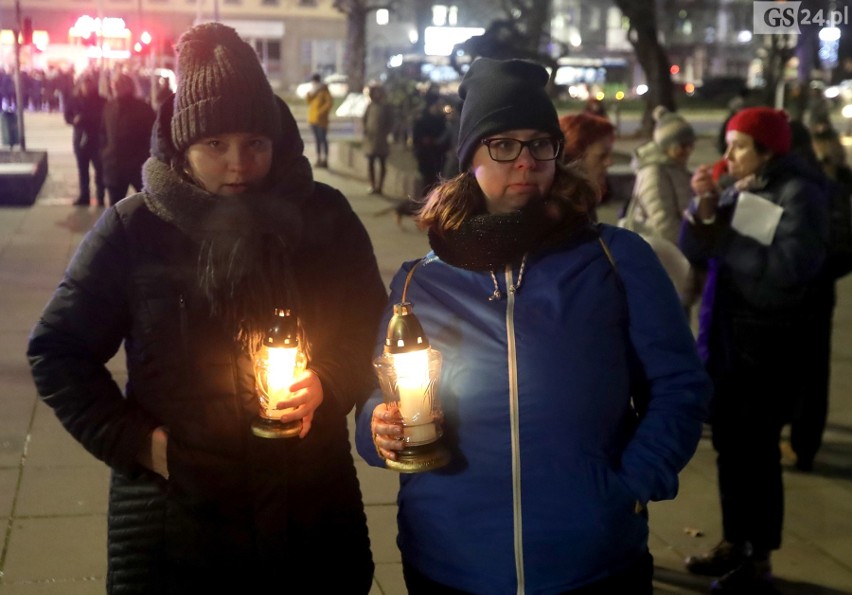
559,144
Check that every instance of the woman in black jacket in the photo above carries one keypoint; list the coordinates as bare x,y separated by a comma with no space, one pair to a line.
125,134
764,239
84,111
187,274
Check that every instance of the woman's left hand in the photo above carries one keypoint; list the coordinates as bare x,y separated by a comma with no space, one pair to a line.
306,396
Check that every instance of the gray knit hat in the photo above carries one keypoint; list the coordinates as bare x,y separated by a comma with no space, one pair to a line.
502,95
221,87
671,129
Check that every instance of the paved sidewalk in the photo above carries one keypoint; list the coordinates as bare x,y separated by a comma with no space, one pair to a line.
53,494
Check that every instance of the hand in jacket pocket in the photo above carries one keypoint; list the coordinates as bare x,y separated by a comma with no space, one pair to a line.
154,455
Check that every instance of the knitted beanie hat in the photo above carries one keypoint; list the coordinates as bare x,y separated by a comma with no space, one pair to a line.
767,126
502,95
671,129
221,87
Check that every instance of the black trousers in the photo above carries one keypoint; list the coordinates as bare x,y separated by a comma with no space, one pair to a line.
757,389
85,156
117,188
636,580
809,420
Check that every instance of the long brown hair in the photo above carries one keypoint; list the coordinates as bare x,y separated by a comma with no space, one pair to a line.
450,203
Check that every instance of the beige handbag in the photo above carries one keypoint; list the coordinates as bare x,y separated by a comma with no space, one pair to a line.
672,259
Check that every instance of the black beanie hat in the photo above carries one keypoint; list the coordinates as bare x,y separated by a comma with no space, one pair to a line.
221,88
502,95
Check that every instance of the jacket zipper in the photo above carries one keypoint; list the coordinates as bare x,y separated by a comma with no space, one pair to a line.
514,423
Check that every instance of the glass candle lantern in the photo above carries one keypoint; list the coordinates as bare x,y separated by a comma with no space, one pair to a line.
277,365
408,371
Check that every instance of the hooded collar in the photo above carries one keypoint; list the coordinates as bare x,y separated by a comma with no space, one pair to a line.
245,242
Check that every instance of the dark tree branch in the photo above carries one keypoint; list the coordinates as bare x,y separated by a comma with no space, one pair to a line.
643,36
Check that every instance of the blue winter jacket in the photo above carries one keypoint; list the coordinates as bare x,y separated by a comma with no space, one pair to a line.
551,468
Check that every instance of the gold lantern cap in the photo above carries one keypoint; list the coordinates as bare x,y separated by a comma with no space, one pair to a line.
405,334
284,331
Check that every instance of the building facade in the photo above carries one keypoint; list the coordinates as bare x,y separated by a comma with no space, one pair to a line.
293,38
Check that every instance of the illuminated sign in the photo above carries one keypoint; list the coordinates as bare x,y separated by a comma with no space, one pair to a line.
439,41
40,38
109,27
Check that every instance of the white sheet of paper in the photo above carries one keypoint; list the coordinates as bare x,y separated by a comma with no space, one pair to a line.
756,217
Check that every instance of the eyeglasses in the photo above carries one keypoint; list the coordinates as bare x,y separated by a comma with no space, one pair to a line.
509,149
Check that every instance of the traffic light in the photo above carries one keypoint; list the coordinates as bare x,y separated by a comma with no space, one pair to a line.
27,31
143,46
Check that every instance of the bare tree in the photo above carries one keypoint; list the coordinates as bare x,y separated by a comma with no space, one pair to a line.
356,12
533,19
524,32
651,55
781,48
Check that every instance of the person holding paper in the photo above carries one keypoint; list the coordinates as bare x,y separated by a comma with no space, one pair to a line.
765,238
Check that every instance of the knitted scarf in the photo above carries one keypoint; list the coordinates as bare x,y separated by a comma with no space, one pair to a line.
488,242
245,242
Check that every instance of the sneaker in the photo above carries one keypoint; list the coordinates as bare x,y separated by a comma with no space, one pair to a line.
723,558
372,190
752,577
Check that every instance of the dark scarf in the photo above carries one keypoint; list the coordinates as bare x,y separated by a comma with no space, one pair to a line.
487,242
245,242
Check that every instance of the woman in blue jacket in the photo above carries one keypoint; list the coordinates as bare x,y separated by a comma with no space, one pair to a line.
538,314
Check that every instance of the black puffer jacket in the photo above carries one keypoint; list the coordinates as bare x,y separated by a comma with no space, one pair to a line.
759,299
238,513
87,128
125,131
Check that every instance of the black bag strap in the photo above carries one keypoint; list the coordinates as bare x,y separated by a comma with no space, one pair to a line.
640,387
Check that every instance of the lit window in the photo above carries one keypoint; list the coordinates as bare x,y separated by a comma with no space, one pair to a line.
439,15
382,16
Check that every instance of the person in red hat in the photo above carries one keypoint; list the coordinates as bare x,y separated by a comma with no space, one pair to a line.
764,238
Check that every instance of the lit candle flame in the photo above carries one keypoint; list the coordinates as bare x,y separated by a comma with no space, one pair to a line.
280,370
415,406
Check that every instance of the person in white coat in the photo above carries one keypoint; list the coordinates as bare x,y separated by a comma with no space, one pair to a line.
662,191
